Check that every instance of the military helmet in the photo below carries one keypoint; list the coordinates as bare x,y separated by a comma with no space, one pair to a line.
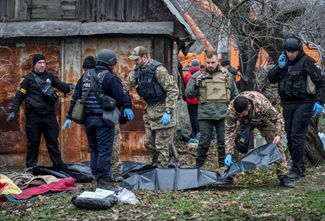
106,56
293,43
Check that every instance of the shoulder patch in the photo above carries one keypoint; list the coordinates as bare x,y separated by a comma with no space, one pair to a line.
23,90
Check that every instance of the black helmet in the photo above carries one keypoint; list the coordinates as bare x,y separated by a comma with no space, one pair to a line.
106,56
293,43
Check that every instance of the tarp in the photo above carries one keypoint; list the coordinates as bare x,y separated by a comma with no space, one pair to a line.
79,171
144,176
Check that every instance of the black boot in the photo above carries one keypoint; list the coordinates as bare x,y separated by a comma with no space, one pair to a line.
116,178
293,175
94,183
229,181
286,182
104,182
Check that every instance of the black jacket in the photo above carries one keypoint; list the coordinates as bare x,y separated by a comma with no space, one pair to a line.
31,92
311,68
112,86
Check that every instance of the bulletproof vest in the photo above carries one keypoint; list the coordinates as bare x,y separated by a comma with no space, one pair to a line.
92,103
215,89
148,87
293,83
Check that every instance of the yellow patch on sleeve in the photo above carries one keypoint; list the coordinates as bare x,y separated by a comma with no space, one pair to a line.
22,90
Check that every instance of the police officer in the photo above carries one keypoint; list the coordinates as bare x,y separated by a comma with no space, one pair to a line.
214,87
159,90
302,92
100,135
249,110
36,89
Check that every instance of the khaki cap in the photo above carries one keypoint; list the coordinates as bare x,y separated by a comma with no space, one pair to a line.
138,52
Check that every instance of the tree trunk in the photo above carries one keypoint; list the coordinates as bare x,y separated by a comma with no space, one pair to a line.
248,57
314,150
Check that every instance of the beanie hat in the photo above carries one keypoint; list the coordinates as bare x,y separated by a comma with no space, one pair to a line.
195,62
89,62
37,58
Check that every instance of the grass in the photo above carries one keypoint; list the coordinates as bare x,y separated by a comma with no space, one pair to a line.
262,199
255,196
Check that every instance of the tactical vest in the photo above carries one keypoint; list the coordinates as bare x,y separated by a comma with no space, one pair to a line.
293,83
215,90
92,103
148,87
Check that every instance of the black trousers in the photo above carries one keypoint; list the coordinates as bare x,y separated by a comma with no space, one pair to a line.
36,125
192,112
206,127
297,118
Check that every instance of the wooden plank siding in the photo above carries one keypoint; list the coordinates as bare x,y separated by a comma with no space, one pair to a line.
123,10
7,10
85,10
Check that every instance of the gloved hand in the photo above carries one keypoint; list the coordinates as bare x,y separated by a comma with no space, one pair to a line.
228,160
10,117
318,109
72,87
282,61
166,118
128,114
66,123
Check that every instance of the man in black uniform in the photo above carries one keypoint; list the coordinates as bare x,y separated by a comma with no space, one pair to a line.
36,89
100,135
302,92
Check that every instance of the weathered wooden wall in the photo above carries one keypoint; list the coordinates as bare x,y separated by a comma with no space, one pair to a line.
85,10
64,58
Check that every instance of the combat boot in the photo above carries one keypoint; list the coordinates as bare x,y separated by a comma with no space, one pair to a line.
293,175
286,182
116,178
94,183
105,182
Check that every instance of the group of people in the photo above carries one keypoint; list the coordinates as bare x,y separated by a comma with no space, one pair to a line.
213,102
154,84
301,85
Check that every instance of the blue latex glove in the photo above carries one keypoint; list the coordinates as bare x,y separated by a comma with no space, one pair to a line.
282,61
166,118
318,109
66,124
128,114
228,160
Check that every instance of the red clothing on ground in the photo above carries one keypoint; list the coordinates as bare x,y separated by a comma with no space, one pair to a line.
187,78
59,186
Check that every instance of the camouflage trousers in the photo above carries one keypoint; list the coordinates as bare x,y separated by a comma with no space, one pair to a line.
157,142
267,129
116,145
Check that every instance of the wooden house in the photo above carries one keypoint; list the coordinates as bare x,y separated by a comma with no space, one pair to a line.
66,31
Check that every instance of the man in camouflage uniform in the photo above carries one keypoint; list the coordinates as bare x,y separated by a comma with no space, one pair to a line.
159,90
254,109
269,90
214,87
